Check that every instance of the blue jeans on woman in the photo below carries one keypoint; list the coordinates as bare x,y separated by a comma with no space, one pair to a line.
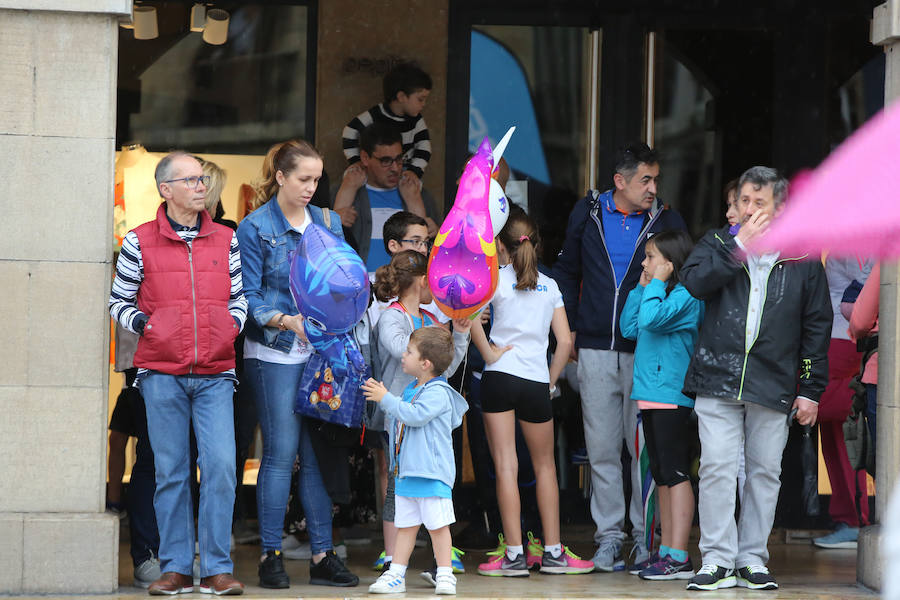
285,436
173,402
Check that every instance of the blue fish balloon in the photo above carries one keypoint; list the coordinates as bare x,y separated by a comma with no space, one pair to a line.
330,285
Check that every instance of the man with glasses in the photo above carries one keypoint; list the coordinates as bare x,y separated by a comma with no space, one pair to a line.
178,286
372,190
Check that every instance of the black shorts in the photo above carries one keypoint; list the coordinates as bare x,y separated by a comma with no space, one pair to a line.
122,419
501,392
666,435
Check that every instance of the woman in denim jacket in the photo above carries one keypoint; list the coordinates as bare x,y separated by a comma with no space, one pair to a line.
275,353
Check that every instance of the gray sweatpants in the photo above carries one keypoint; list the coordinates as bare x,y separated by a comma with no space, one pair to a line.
610,416
723,423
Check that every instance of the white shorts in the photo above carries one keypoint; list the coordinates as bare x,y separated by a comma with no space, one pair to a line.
432,512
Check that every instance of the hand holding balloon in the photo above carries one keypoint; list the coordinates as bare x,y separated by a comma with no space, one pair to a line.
374,390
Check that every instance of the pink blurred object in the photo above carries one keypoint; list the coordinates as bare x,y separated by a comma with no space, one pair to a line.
849,205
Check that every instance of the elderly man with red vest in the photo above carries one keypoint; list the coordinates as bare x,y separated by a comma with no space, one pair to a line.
178,285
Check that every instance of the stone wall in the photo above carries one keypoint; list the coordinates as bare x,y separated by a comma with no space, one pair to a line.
57,130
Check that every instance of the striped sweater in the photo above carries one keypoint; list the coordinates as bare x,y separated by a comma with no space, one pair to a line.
413,132
130,274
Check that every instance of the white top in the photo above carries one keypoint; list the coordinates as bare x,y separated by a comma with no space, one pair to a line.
522,319
840,272
300,351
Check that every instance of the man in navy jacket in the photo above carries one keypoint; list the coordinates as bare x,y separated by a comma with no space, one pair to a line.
600,263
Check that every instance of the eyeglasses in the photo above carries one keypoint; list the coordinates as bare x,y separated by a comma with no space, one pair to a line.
192,182
386,161
423,244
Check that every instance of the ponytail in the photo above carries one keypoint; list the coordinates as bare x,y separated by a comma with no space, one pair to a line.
394,278
521,238
280,157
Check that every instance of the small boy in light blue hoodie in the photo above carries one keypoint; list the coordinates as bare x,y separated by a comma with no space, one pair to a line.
421,451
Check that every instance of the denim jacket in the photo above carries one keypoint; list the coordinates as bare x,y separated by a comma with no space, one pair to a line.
266,240
427,446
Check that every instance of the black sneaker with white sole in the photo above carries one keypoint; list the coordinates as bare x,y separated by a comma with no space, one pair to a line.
712,577
756,577
331,571
430,576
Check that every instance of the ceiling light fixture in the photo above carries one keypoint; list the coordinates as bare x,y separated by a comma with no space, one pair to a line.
216,30
146,26
198,16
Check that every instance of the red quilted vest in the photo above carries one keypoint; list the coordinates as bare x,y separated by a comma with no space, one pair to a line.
185,294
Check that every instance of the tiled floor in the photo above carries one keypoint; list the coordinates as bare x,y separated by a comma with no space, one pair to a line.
802,572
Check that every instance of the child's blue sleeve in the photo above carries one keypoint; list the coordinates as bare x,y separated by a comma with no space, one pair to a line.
430,404
628,321
664,314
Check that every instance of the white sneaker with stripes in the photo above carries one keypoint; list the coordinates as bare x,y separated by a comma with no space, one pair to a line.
390,582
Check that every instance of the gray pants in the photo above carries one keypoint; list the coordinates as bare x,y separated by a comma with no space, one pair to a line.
723,424
610,416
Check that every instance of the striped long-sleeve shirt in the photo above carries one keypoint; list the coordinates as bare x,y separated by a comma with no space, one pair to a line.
130,273
413,132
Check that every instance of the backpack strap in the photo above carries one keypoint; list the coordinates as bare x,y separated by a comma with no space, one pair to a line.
326,216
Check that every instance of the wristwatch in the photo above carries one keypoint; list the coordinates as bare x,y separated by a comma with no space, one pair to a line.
281,324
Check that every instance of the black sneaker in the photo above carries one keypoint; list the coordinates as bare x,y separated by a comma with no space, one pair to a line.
756,577
271,571
331,571
430,576
712,577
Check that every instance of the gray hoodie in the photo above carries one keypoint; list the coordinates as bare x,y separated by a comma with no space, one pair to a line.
389,340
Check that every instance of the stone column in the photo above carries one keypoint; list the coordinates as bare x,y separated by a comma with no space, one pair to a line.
57,131
885,33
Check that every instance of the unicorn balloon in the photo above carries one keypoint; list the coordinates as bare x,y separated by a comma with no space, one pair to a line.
462,267
329,284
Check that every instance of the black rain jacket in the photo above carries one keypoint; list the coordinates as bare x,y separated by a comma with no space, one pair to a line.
789,356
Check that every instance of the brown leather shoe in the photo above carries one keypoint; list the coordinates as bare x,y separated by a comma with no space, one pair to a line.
172,583
223,584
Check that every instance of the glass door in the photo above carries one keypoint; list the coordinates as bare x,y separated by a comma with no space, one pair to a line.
540,80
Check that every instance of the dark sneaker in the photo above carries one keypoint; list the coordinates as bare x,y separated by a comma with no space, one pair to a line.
331,571
171,583
430,576
639,566
223,584
666,568
271,571
712,577
501,566
756,577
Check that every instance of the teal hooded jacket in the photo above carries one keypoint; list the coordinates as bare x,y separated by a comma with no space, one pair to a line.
666,328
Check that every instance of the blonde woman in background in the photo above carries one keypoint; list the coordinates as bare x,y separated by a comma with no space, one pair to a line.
217,179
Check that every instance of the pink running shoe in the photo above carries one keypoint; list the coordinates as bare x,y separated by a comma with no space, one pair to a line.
534,551
567,563
501,566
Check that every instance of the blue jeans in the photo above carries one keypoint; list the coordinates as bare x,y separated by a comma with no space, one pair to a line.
172,402
285,436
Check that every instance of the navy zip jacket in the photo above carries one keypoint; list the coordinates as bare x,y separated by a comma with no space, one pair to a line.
585,276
